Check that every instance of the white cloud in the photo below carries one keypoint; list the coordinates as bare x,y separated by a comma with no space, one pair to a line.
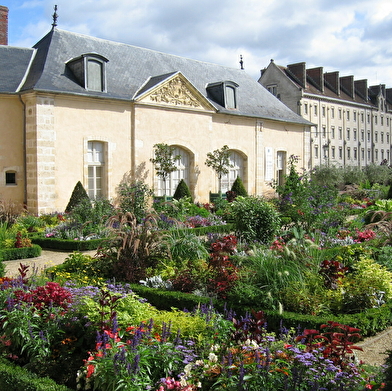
350,36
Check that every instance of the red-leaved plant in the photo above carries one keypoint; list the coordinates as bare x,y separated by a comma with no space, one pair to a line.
223,272
336,342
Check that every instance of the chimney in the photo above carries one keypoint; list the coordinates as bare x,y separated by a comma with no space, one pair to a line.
347,84
317,76
3,25
361,88
332,78
299,71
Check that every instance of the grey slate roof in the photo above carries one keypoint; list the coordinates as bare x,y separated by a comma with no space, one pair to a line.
129,69
14,63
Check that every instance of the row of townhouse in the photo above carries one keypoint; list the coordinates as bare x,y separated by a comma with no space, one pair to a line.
352,121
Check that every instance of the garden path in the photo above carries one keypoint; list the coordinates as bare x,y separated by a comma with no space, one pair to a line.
374,348
46,259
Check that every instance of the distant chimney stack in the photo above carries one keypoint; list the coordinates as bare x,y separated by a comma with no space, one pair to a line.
3,25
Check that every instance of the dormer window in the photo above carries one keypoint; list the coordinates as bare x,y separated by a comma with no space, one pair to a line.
224,93
89,71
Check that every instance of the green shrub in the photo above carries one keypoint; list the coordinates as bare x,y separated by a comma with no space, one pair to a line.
67,244
15,378
182,191
134,196
255,219
78,194
239,188
8,254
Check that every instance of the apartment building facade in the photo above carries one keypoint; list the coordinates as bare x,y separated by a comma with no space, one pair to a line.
352,121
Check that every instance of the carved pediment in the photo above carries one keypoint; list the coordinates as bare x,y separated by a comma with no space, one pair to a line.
176,91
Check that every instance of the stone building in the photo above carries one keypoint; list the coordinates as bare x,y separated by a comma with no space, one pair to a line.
77,108
353,120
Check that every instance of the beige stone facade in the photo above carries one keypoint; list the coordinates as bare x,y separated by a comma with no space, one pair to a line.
57,134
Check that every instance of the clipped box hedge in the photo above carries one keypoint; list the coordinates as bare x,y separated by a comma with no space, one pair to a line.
370,322
15,378
67,244
9,254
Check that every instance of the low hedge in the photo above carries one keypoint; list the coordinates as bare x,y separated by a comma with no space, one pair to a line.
67,244
9,254
15,378
370,322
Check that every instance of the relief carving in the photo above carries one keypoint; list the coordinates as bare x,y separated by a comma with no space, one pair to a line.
175,92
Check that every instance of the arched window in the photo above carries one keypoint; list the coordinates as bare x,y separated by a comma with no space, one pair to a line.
174,178
96,169
237,170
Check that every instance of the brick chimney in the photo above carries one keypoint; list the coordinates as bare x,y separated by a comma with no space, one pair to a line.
3,25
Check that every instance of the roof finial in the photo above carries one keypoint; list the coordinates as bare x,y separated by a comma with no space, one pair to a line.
55,16
241,62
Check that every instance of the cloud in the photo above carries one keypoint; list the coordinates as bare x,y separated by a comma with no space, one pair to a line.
350,36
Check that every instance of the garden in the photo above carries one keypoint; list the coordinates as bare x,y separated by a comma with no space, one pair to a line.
245,293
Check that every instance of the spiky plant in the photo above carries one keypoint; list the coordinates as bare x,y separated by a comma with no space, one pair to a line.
136,246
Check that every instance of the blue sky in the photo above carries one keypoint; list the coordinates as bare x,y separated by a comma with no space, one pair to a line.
349,36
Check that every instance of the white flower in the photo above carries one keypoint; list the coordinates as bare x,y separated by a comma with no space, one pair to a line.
213,357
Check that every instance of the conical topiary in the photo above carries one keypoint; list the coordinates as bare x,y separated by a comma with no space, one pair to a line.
78,194
182,191
239,188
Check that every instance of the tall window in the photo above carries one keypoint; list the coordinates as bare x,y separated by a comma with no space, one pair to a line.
236,170
10,178
96,163
174,178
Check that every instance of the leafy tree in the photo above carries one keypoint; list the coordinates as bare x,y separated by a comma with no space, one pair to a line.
219,161
79,194
164,161
134,195
182,191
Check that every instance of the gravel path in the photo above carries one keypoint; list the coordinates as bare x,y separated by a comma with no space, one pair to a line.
45,260
374,348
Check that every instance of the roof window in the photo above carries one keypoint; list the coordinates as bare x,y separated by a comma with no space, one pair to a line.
224,93
89,71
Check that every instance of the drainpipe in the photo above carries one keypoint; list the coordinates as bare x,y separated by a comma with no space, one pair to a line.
24,154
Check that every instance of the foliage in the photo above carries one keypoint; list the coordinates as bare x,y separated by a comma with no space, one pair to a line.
307,203
255,219
78,194
182,191
186,246
377,173
219,161
92,213
326,175
134,195
8,254
9,211
164,161
238,188
15,378
133,247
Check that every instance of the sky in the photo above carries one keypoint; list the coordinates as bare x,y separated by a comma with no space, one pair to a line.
353,37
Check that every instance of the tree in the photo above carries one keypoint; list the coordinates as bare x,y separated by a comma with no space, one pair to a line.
79,194
164,161
219,161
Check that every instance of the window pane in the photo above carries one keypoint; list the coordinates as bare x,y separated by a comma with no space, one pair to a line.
230,98
94,75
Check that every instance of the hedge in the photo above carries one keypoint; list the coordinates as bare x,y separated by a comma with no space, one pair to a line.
370,322
67,244
15,378
9,254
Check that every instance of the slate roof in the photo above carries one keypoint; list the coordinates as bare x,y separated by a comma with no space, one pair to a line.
14,63
131,69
